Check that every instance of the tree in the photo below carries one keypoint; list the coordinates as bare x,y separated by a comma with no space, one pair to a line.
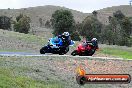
121,27
62,20
126,26
118,14
114,26
19,17
47,24
22,25
109,34
103,34
125,31
95,13
130,18
75,36
91,27
78,27
41,22
5,22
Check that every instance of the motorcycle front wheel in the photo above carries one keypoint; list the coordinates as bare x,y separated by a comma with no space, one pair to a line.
91,52
74,53
66,50
62,51
42,50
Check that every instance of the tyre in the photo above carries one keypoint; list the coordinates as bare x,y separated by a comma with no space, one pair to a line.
74,53
66,49
61,53
42,50
63,50
91,52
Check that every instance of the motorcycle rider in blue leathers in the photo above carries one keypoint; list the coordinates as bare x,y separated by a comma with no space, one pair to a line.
65,38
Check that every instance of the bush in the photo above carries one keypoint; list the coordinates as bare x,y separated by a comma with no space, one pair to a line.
75,36
129,42
62,20
22,25
91,27
5,22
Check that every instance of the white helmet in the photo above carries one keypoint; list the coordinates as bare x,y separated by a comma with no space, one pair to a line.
94,39
66,33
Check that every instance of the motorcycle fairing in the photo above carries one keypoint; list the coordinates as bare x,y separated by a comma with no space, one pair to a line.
56,41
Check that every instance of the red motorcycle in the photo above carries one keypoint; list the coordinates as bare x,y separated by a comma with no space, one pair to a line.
85,49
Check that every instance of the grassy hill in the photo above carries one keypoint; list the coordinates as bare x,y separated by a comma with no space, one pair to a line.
104,13
126,9
13,41
44,12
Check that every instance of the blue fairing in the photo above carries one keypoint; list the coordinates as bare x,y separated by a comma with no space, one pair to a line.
72,43
56,41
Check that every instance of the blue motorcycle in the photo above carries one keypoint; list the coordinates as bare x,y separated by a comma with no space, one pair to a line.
56,46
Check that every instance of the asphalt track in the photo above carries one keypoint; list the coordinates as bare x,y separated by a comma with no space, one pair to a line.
22,54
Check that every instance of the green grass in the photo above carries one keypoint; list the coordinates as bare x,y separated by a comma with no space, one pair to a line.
117,52
9,80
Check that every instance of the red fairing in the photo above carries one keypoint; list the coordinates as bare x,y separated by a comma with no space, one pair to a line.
88,47
83,48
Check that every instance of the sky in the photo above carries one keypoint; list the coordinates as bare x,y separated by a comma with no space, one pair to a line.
86,6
